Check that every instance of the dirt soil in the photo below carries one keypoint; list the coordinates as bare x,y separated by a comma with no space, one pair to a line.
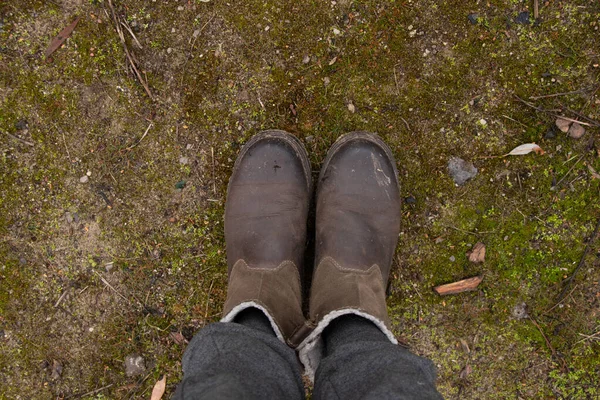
111,221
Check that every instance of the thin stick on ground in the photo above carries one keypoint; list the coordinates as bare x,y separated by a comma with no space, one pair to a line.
560,94
142,138
19,139
212,154
108,285
568,172
550,112
570,279
536,9
117,24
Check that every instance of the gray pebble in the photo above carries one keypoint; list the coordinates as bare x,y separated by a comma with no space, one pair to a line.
452,258
184,160
306,59
520,311
134,365
84,179
461,170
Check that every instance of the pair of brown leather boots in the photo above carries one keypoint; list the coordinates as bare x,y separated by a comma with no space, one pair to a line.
357,226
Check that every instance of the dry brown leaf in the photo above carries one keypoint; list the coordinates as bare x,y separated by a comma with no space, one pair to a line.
563,124
159,389
178,338
526,149
464,285
477,255
60,38
466,371
595,175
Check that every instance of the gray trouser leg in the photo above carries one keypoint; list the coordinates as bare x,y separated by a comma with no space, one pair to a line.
361,363
235,361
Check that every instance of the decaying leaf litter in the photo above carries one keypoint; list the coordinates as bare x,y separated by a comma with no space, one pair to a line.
133,278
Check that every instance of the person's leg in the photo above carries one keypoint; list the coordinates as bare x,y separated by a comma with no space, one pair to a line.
359,362
352,345
243,359
246,356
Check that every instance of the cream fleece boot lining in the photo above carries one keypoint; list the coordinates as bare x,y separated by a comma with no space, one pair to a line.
310,350
248,304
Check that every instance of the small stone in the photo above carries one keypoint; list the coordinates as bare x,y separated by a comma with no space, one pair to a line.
326,81
57,369
69,217
109,266
523,18
482,122
180,8
336,31
410,200
267,28
461,170
473,18
196,33
550,133
21,125
89,173
134,365
169,50
84,179
576,130
351,108
563,125
184,160
452,258
306,59
519,311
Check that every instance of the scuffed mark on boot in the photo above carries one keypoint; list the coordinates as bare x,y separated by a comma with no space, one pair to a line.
380,176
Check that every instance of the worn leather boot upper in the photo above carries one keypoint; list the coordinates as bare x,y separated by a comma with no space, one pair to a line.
265,229
357,227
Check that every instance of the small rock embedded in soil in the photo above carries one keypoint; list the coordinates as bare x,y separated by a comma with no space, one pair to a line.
520,311
410,200
473,18
452,258
84,179
306,59
134,365
563,125
57,369
523,18
184,160
576,130
461,170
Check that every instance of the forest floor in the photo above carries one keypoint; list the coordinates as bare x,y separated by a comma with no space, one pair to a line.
113,178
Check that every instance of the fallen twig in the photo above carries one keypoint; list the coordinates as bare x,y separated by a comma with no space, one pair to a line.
581,262
129,56
464,285
142,138
551,112
560,94
19,139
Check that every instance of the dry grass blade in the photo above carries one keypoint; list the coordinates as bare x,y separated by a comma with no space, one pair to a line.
130,58
60,38
464,285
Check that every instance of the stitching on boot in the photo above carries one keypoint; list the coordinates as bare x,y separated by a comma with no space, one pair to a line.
352,270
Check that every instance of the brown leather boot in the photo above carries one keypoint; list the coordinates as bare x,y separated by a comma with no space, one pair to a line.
265,230
357,227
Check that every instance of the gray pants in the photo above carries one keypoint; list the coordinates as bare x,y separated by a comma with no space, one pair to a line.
245,360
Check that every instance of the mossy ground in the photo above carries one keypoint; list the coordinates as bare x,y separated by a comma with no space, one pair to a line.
416,71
